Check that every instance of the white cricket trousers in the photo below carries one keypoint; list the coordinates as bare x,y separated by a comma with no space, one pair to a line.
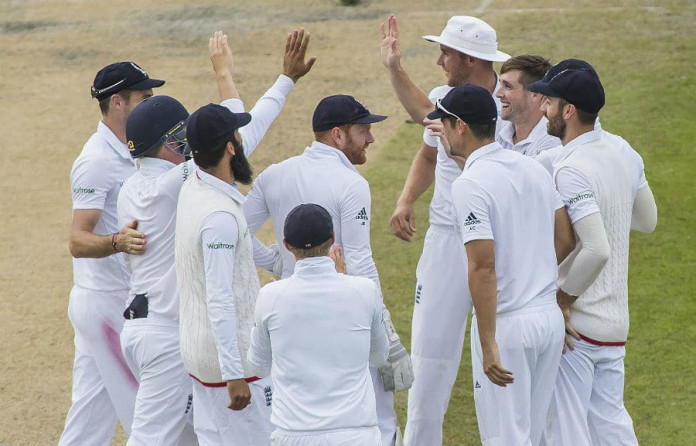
216,425
530,341
440,313
587,407
359,436
103,386
164,405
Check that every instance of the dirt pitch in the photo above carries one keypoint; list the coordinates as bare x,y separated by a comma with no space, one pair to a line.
49,53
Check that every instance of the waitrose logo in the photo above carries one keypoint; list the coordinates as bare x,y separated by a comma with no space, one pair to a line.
83,190
580,197
220,246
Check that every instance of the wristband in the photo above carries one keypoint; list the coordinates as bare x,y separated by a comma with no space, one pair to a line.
113,241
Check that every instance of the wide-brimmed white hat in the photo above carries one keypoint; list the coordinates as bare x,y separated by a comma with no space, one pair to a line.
471,36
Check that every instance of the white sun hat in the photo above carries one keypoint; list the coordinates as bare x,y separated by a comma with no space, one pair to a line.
471,36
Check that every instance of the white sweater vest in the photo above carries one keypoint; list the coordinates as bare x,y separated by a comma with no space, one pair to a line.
601,313
200,355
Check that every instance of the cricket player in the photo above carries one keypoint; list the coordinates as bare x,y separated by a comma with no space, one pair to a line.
316,333
325,174
103,387
605,191
468,48
218,285
517,327
150,337
522,126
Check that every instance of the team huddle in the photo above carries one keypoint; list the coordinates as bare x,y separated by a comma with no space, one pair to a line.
530,219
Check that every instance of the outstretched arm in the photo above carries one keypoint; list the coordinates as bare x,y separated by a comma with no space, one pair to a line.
412,98
223,65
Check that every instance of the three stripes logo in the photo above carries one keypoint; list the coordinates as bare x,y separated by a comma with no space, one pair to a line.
471,219
362,215
419,288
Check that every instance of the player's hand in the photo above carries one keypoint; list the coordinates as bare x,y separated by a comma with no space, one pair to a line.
391,49
220,54
565,300
130,241
336,254
240,395
493,369
294,65
403,221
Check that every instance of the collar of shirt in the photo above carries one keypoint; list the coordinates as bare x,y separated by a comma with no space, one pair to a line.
585,138
321,150
312,266
481,152
154,166
217,183
105,132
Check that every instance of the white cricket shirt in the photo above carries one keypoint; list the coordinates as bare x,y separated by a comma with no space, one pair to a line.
446,169
509,198
150,196
317,332
96,179
321,175
537,141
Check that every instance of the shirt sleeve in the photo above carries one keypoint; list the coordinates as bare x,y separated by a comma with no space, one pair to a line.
576,192
379,342
355,208
264,113
219,236
256,211
259,357
90,183
473,213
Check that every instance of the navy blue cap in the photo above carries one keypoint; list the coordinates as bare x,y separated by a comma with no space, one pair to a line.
337,110
470,103
569,64
213,125
577,86
121,76
152,121
307,225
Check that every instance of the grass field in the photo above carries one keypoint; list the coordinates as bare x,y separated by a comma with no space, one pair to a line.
645,58
644,51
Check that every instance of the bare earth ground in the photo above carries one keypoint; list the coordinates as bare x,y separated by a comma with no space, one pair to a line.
49,53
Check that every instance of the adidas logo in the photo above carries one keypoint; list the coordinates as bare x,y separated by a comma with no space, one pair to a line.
362,215
477,385
418,293
471,220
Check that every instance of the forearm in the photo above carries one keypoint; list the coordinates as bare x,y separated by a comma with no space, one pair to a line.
226,86
644,217
412,98
483,287
590,260
420,176
87,244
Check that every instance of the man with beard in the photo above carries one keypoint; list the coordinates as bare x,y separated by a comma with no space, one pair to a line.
517,328
218,285
606,196
468,48
325,174
157,138
522,126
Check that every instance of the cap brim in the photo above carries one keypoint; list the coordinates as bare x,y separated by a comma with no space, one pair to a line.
543,88
242,119
437,114
499,56
369,119
146,84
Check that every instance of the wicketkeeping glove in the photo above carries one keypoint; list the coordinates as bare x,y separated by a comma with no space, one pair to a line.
397,372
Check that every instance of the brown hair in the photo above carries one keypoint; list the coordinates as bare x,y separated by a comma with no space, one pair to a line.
531,66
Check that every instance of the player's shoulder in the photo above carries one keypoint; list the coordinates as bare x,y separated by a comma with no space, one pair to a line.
438,92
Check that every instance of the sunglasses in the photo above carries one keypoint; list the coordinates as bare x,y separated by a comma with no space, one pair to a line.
439,106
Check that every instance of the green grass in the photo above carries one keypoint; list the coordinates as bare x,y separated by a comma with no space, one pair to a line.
646,61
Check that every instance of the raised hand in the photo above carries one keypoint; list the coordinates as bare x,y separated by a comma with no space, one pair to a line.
220,53
294,65
391,49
